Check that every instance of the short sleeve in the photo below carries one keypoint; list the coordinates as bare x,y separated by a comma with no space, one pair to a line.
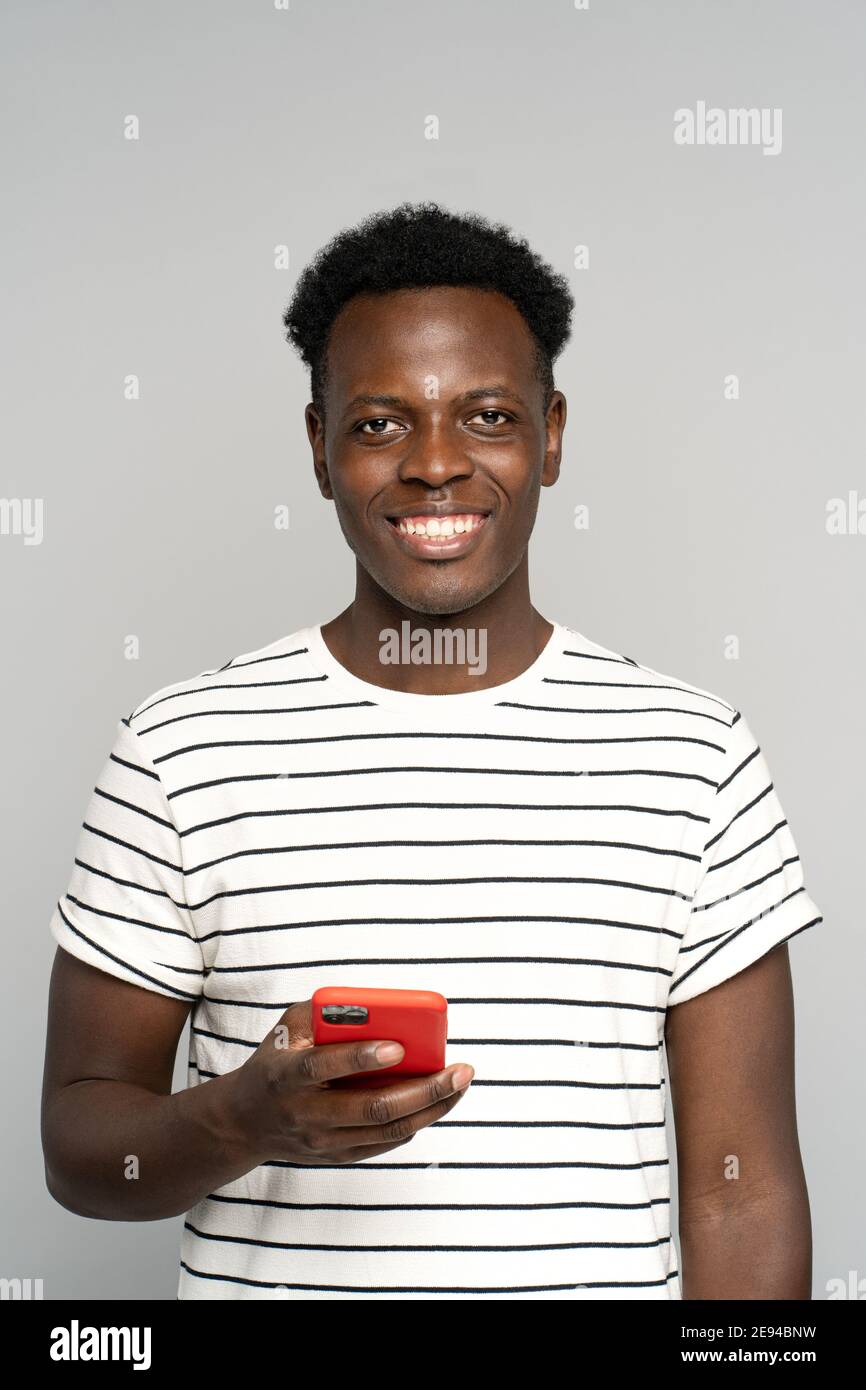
751,895
124,910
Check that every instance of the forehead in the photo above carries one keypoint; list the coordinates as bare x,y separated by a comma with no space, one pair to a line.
452,332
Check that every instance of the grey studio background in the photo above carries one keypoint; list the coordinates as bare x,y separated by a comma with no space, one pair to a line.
265,127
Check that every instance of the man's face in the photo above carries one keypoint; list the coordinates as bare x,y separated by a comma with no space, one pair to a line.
436,443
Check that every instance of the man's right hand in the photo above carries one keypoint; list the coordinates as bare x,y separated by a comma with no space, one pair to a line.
284,1108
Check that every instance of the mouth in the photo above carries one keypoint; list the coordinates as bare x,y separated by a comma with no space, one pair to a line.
439,537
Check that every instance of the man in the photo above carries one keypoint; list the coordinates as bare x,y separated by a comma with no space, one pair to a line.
586,857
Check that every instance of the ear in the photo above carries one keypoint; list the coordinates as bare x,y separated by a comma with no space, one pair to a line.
554,426
316,435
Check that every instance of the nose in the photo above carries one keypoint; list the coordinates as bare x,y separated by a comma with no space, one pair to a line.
435,457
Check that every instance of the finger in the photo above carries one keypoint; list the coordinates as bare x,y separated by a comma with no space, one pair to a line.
358,1153
404,1127
394,1097
386,1116
327,1061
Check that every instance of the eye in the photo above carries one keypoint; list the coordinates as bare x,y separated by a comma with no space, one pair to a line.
501,413
380,420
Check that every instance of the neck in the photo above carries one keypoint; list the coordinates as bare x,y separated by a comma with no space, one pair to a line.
504,628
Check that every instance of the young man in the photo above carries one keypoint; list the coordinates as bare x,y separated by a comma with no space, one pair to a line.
586,857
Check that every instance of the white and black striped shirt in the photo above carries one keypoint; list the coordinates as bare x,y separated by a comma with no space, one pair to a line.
562,856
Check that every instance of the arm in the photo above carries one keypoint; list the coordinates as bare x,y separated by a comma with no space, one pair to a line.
106,1098
730,1057
106,1095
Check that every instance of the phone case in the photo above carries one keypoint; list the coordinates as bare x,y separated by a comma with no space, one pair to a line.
417,1018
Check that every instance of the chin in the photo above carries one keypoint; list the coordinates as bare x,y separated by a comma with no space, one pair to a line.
441,598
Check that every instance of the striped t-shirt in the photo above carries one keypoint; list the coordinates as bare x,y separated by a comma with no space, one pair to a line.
562,856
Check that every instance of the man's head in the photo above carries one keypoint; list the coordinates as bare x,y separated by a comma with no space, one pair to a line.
430,337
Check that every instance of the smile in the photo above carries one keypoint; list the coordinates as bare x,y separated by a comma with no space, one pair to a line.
444,536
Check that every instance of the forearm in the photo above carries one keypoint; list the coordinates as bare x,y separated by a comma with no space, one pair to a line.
748,1249
118,1152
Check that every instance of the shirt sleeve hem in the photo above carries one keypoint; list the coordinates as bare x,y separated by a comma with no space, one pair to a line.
712,964
137,971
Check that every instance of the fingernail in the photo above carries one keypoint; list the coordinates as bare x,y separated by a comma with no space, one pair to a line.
389,1052
461,1077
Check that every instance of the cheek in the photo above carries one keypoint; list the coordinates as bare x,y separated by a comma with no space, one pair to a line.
523,493
356,482
352,494
347,520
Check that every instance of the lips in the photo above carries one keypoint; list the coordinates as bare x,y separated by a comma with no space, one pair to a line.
444,535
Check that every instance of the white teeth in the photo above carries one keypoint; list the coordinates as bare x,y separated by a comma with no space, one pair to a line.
446,527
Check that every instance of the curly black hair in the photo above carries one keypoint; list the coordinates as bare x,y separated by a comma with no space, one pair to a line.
417,246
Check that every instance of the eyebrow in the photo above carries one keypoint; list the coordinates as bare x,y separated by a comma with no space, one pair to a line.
398,403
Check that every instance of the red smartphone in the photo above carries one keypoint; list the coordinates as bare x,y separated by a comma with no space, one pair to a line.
417,1018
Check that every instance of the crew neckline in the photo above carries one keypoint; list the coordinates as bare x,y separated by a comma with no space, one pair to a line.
466,700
